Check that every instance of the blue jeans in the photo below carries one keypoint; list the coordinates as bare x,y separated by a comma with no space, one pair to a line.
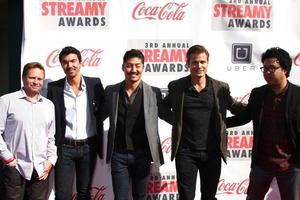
126,167
79,160
288,183
188,163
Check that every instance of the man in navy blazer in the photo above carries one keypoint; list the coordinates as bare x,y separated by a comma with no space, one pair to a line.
77,101
133,141
274,109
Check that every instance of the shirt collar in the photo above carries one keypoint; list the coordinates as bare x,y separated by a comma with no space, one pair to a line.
191,87
83,85
140,86
282,93
23,95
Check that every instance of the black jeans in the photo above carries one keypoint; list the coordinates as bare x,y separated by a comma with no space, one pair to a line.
1,177
130,167
18,188
79,161
188,163
288,183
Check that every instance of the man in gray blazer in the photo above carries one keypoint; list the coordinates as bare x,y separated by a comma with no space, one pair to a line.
199,103
133,108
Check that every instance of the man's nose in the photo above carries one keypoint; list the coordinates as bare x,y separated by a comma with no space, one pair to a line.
133,69
198,65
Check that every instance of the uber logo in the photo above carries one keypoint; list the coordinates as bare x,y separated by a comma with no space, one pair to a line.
241,53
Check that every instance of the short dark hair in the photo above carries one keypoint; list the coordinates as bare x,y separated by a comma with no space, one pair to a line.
133,53
32,65
281,55
196,49
67,50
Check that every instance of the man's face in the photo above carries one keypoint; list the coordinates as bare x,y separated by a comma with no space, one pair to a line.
133,69
71,65
33,81
198,64
273,72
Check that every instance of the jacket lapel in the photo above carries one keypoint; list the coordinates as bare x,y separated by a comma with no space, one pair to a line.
90,93
146,98
114,105
60,96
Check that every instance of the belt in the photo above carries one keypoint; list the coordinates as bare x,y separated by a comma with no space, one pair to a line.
76,143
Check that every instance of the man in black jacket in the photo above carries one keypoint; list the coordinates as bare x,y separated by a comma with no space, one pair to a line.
77,100
274,109
199,104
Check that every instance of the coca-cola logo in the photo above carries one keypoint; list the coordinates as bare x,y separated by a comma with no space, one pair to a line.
90,58
236,188
169,11
243,99
98,193
166,145
297,60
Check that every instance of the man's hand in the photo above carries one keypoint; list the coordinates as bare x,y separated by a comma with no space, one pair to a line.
47,169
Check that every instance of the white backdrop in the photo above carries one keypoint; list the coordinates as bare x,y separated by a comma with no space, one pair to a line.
235,32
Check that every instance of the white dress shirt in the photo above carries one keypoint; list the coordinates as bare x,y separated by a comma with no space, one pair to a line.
78,117
27,132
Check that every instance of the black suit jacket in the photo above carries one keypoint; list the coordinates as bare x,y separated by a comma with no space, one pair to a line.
95,93
254,111
222,102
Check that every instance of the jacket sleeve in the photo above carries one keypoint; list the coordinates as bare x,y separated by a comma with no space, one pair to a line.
98,103
105,105
233,105
168,101
163,111
242,117
49,92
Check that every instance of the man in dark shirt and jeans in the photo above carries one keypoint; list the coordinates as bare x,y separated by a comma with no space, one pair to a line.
199,104
274,109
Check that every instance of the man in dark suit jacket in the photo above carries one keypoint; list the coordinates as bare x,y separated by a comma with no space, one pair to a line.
199,103
274,109
133,142
77,101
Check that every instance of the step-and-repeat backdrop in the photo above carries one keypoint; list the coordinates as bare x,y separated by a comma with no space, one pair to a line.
235,32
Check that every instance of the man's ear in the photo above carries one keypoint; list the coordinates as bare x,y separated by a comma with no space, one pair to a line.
285,72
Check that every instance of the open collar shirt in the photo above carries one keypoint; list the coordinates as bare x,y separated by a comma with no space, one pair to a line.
27,132
78,117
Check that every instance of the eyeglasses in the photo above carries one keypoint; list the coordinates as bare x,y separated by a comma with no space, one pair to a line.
270,69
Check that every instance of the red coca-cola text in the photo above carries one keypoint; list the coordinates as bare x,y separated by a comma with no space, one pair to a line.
297,60
98,193
236,188
170,11
243,99
90,58
166,145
